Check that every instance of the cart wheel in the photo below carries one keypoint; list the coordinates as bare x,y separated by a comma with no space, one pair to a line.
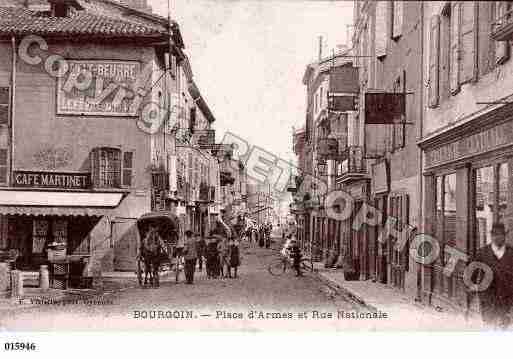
277,267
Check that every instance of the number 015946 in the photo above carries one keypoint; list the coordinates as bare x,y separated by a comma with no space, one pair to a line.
19,346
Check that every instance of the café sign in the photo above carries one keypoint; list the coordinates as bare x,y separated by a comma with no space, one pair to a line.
60,180
476,143
104,88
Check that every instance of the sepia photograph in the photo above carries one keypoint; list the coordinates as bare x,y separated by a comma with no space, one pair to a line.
252,166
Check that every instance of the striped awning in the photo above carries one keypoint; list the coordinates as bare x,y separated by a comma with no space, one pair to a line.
53,211
48,203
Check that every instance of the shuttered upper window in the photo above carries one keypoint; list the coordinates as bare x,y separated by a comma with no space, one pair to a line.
111,168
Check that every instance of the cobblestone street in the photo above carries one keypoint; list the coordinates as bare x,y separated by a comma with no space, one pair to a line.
255,290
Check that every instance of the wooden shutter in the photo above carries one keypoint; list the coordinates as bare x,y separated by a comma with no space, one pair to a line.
5,100
405,211
95,167
454,67
468,33
434,61
4,166
127,171
502,48
397,27
380,30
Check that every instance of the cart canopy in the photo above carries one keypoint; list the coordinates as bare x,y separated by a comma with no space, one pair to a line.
167,224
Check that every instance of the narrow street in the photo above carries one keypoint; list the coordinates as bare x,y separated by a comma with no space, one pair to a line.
270,298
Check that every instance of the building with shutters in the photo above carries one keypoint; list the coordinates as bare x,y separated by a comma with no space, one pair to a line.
77,152
467,136
325,149
387,42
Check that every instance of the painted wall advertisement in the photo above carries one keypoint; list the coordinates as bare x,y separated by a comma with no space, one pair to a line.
98,88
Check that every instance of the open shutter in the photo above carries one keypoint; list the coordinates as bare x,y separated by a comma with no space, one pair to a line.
468,65
173,172
434,61
454,68
127,171
380,29
405,209
502,48
397,27
95,167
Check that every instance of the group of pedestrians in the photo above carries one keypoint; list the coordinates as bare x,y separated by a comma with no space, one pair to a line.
259,233
220,251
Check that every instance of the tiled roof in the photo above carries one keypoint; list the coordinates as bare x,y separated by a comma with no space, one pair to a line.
20,21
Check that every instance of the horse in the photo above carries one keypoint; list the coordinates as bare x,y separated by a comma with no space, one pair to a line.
151,254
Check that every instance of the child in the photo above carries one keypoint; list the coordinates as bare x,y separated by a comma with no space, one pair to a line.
234,258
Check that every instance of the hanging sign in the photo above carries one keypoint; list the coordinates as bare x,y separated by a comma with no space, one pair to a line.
382,108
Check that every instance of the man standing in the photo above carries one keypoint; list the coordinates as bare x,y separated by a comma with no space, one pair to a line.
190,256
497,299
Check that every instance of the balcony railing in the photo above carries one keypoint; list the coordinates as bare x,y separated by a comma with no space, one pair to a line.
503,26
353,163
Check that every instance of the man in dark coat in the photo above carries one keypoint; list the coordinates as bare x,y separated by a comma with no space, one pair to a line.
497,299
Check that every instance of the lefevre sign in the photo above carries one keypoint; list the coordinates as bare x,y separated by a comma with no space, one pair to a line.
59,180
482,141
107,92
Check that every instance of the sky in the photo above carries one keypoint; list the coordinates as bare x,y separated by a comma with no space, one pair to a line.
248,58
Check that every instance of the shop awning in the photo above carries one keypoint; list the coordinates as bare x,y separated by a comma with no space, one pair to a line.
58,203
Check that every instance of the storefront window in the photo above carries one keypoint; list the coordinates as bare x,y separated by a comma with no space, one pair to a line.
490,205
503,178
483,205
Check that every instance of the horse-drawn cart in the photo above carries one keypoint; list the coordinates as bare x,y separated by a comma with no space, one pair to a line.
159,233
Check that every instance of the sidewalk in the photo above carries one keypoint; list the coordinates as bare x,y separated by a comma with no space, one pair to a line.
402,309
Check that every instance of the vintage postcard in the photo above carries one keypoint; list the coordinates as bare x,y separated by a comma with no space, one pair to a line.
255,166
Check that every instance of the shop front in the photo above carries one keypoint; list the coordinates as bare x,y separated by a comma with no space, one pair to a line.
51,215
468,186
354,243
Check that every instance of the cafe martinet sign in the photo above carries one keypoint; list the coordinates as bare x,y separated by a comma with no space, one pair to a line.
52,180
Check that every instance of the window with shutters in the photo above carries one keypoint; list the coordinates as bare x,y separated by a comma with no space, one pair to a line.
106,167
380,29
128,168
4,105
434,61
397,19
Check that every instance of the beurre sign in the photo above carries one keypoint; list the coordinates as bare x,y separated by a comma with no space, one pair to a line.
483,141
59,180
98,88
